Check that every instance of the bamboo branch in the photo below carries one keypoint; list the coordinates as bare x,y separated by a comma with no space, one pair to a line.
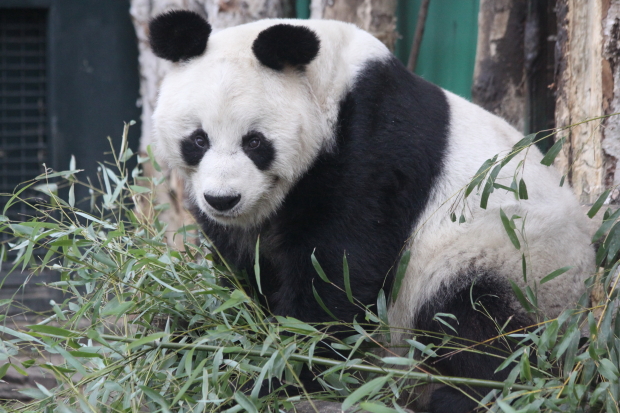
422,377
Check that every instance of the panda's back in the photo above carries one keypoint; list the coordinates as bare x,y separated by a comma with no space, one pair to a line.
446,252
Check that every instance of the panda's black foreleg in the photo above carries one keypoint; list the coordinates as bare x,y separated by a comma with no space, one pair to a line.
482,308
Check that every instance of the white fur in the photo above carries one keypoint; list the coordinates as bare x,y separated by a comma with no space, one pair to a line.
295,110
555,227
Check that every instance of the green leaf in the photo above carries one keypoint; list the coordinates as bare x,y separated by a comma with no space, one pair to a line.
554,274
439,317
139,189
318,299
382,311
488,187
114,307
144,340
21,336
553,152
521,297
479,176
152,158
34,393
508,361
236,298
522,189
598,204
506,407
156,397
524,267
608,370
245,402
508,226
347,281
376,408
400,274
257,266
526,371
189,381
372,386
53,331
318,269
3,369
72,196
607,223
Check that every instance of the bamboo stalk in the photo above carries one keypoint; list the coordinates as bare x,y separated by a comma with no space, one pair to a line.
422,377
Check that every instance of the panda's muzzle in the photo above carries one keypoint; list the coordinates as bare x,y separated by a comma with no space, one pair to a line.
222,203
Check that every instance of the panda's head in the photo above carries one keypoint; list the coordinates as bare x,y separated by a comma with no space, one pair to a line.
244,113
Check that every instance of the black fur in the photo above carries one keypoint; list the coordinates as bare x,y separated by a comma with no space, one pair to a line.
263,155
364,198
179,35
471,301
192,149
284,44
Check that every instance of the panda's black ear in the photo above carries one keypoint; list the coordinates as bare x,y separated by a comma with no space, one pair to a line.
179,35
286,44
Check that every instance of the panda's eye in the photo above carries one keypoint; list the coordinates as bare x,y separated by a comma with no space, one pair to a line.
253,143
200,141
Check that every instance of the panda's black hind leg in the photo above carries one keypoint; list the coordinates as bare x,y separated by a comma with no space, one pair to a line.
482,304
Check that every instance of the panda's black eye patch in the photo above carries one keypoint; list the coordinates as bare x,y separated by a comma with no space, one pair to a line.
194,147
259,149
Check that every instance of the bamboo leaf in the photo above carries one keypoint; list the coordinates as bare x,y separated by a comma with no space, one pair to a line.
318,268
347,281
156,397
522,189
53,331
400,274
376,408
521,297
149,150
508,226
480,175
244,402
372,386
3,369
257,266
548,159
598,204
322,304
148,339
72,196
554,274
608,370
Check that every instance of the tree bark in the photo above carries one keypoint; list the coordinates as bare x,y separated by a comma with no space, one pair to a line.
586,73
499,75
221,14
374,16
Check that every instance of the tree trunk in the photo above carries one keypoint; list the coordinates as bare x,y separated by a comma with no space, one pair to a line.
374,16
499,74
588,87
221,14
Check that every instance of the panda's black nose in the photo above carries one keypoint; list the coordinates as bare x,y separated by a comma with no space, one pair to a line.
222,203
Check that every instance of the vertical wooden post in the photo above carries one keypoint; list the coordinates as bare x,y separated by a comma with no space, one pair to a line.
374,16
499,75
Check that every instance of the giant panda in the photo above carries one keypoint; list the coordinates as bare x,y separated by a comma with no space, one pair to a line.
312,135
